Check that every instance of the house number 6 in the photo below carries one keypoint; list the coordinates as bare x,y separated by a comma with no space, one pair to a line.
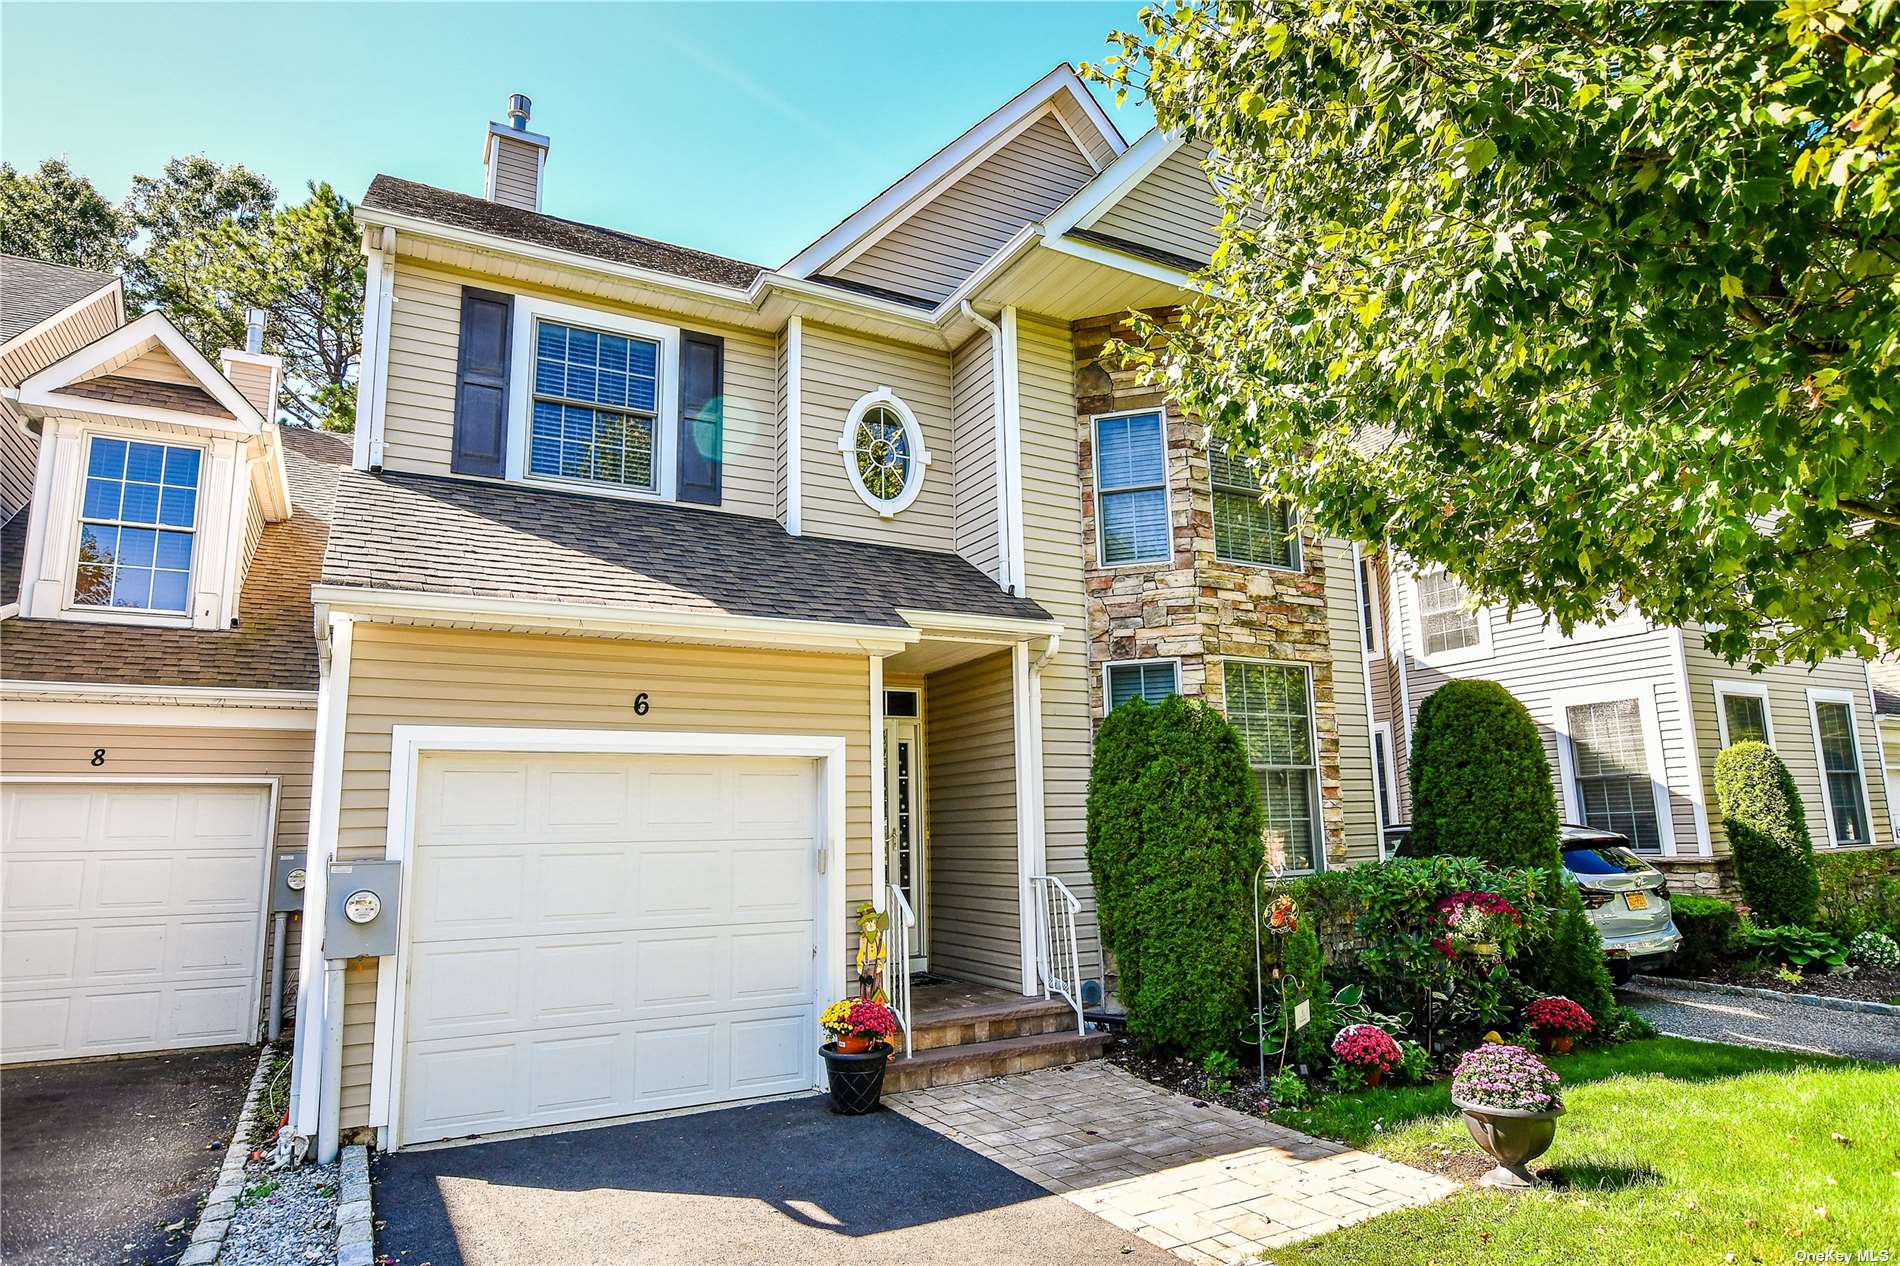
640,705
98,756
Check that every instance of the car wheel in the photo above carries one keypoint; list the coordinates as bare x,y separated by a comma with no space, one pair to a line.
1620,972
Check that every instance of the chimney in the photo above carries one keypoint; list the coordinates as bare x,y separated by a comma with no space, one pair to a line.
257,375
515,158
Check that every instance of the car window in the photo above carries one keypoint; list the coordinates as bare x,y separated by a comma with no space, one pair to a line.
1603,861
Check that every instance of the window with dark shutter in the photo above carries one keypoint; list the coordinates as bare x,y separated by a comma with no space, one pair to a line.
481,389
702,416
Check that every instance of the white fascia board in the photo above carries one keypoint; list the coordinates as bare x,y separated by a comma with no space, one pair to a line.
94,704
116,286
1094,200
939,622
617,621
201,696
1008,253
1126,263
42,389
515,134
950,159
819,294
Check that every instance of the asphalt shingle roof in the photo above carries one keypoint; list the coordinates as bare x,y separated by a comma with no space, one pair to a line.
1886,673
274,647
32,290
115,389
431,534
461,210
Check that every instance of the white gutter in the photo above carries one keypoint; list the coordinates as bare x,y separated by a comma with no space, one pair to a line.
1018,574
1365,677
190,696
794,423
379,382
1004,558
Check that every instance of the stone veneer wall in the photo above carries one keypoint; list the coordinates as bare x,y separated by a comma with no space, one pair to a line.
1195,607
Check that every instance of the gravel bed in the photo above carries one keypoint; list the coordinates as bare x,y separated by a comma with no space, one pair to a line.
1770,1023
285,1217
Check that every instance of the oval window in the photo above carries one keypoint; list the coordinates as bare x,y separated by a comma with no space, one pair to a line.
883,452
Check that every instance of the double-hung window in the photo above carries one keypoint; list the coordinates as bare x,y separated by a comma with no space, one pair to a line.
1839,749
1271,705
1609,757
1448,624
1742,713
594,406
138,521
1149,679
1248,529
1131,486
1370,610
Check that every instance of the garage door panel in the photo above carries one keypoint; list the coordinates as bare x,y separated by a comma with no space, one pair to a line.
481,797
125,930
659,954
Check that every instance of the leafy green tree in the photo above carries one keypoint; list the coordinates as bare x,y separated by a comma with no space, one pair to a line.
1480,781
1768,832
177,214
1174,842
58,216
1595,304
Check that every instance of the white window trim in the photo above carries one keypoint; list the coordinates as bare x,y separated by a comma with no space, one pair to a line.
1417,620
1371,606
920,457
1644,694
1750,689
1295,540
1312,714
1626,623
528,309
409,743
1167,487
1383,729
1827,694
150,617
1107,707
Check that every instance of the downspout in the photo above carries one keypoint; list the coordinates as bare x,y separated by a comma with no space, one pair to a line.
795,425
372,390
1365,677
1004,559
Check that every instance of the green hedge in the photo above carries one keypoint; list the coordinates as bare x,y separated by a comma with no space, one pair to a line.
1480,782
1708,930
1174,841
1858,892
1768,834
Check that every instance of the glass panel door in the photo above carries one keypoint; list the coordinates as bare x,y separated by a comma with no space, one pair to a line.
905,837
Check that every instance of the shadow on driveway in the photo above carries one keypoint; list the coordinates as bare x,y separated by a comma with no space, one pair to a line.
776,1182
99,1158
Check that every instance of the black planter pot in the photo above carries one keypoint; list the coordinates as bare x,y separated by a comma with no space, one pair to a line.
857,1078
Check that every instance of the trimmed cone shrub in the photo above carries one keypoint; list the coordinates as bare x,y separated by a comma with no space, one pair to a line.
1174,840
1480,783
1768,833
1571,962
1303,961
1708,930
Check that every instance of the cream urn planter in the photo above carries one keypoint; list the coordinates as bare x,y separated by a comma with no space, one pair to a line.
1513,1137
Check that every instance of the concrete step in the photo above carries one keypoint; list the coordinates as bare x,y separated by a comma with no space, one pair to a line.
969,1023
954,1065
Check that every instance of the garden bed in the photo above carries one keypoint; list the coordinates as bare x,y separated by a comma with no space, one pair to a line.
1864,984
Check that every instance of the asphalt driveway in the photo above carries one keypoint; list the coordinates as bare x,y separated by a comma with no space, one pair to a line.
785,1182
97,1159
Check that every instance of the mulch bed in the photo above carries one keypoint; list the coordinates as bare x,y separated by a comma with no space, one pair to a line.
1866,984
1184,1077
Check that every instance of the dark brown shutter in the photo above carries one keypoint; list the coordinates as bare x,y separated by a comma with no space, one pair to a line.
702,416
481,388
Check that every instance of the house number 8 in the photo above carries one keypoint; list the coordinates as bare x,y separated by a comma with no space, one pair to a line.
640,705
98,756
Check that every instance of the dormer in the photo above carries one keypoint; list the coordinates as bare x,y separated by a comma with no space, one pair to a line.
155,476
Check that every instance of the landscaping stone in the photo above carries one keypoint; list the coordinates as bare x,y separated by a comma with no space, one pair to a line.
1774,1022
290,1220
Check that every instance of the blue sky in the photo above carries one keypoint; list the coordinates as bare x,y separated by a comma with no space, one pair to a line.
746,129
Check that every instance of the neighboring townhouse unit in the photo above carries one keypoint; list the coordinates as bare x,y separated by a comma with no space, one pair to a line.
674,607
1886,676
1633,717
158,673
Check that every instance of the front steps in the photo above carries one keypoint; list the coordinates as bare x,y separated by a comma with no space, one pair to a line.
962,1033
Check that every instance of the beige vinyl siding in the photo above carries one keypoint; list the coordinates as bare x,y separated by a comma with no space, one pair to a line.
944,240
838,369
253,382
973,388
1534,672
445,677
18,450
157,365
1053,563
424,338
149,751
253,533
1357,789
1083,129
517,172
1788,686
970,754
1172,209
1890,757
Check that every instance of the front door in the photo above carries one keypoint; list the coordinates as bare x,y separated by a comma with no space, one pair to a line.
906,838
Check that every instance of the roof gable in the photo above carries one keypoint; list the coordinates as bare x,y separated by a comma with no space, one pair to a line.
145,369
1059,94
1154,202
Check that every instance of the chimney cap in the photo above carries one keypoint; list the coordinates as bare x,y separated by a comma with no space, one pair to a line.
518,108
254,331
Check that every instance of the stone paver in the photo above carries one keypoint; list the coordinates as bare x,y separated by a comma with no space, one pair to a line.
1206,1183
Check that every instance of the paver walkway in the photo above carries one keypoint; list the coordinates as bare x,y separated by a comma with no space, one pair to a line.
1207,1183
1773,1023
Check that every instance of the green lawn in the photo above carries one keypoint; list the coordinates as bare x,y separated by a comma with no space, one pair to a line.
1672,1152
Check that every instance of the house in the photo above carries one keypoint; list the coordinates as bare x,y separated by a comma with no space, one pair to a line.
158,672
1633,716
1886,678
674,607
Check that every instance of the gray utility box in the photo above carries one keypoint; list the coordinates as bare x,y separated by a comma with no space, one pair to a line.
360,918
287,885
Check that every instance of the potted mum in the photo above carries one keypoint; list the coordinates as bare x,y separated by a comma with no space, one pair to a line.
1511,1104
1558,1022
862,1031
1369,1048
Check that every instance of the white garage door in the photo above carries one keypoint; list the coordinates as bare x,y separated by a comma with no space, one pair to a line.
593,936
130,917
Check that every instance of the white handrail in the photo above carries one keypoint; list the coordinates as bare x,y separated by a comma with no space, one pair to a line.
1058,964
897,961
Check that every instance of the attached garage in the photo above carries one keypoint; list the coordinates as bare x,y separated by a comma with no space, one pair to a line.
591,935
131,915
